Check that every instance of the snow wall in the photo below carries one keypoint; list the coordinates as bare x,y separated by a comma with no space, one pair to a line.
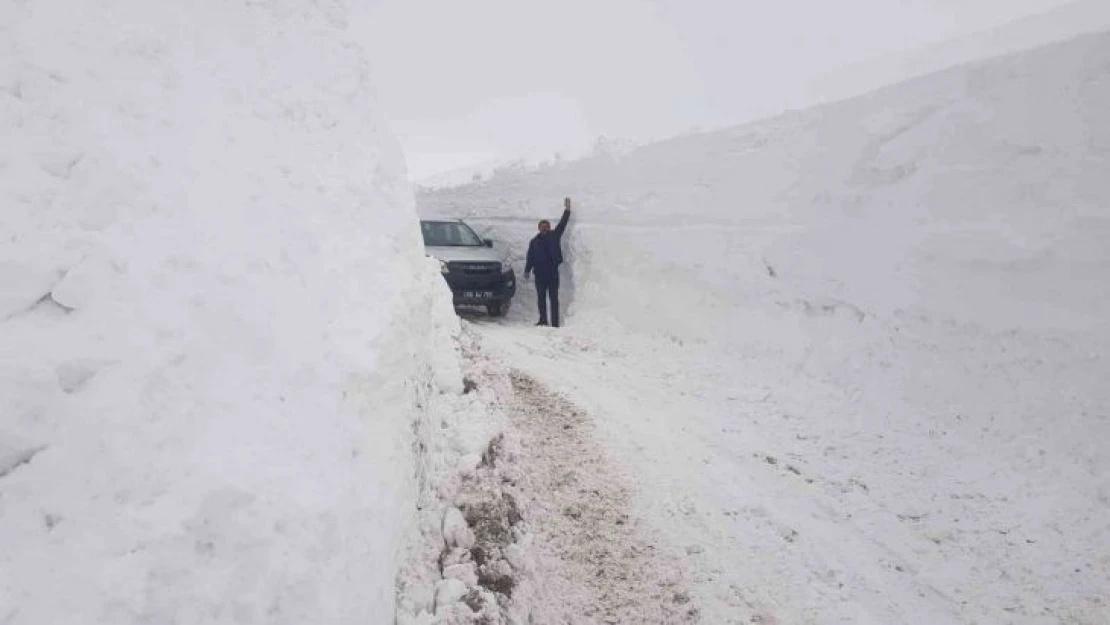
216,320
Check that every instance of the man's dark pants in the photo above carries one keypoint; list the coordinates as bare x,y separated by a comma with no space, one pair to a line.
548,286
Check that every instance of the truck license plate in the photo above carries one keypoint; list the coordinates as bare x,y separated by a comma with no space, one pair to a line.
477,294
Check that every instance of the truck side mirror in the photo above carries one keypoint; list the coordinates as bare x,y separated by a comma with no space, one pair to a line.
488,242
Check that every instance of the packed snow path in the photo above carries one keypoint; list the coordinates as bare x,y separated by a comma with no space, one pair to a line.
765,517
596,562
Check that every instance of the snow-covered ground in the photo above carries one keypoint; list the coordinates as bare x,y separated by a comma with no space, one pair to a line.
850,363
219,338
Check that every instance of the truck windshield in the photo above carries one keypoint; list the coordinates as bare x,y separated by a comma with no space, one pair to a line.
449,234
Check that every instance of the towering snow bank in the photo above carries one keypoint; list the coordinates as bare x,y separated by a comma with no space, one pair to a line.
214,309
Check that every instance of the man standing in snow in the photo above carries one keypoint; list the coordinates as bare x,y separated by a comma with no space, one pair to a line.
544,256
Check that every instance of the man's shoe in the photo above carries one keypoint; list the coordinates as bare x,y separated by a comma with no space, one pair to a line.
541,323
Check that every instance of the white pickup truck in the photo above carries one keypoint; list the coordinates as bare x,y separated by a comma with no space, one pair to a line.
476,273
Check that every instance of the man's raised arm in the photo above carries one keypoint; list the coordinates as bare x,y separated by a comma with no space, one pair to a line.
566,217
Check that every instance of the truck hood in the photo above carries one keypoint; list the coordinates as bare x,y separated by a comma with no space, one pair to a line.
465,254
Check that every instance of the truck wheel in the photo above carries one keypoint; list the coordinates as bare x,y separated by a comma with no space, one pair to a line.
498,309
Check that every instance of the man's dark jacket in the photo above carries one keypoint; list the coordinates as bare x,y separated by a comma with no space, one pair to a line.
545,253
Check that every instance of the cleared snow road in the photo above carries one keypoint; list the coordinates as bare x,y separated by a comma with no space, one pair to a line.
596,561
762,539
770,516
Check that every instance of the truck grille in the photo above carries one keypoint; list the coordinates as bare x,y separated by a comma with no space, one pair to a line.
473,269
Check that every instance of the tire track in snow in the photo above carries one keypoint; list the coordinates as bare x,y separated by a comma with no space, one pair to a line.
595,562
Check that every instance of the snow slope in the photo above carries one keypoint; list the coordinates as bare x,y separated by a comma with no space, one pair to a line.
214,321
1074,18
855,356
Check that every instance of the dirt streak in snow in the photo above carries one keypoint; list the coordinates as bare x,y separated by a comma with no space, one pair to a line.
595,562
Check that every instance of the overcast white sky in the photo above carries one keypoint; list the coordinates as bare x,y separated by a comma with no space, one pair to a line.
470,81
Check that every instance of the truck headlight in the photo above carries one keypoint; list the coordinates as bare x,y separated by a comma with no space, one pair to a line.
506,266
443,267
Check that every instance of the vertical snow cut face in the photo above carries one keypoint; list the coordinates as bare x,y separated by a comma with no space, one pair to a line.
206,242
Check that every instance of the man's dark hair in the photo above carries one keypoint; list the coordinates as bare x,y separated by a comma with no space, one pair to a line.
544,221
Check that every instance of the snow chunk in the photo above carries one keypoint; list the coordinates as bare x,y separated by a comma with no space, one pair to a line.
466,573
448,592
93,278
517,558
468,463
418,598
456,531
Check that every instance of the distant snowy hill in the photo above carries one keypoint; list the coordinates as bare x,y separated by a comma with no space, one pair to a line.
1072,19
904,296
